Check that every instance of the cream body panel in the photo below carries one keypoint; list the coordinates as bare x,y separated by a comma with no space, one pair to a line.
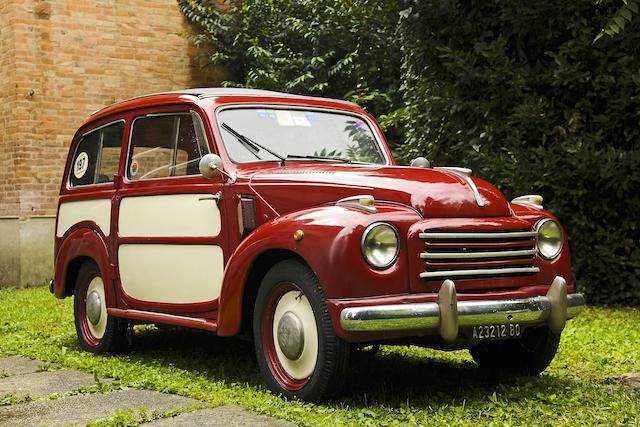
96,210
175,215
177,274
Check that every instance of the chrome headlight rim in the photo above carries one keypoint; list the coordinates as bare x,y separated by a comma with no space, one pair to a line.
366,232
539,226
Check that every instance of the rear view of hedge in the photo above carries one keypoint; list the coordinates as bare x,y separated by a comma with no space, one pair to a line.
515,90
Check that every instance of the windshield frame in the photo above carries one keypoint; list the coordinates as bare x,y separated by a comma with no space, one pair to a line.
299,107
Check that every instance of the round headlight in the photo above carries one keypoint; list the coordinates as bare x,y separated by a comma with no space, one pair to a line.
380,245
549,238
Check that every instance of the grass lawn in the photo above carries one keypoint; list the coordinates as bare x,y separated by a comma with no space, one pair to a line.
399,386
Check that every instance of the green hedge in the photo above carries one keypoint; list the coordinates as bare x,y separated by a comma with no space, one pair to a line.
519,92
516,90
313,47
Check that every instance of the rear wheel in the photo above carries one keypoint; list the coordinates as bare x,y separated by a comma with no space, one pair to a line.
297,349
97,331
528,355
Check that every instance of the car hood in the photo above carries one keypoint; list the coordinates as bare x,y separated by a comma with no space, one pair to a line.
434,193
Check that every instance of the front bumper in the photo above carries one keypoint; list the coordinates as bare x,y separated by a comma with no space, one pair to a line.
446,316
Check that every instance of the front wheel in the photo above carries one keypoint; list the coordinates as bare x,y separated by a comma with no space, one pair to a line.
529,355
97,331
297,349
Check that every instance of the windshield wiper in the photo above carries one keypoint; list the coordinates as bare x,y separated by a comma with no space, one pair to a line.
250,144
329,158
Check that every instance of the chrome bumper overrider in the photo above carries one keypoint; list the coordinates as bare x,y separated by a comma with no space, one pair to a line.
447,315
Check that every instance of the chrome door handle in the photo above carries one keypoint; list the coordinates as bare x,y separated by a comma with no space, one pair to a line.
215,197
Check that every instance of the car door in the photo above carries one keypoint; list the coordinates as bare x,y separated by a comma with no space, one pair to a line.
170,251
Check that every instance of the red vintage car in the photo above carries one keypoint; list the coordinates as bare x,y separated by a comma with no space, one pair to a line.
286,217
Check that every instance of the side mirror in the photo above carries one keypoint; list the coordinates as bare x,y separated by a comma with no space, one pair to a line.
420,162
210,166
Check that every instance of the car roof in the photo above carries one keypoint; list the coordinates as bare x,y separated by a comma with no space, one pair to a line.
213,92
209,92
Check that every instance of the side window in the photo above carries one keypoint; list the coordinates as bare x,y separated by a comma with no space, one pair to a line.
110,155
97,156
166,146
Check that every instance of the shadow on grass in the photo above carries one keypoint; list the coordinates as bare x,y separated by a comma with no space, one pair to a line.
393,378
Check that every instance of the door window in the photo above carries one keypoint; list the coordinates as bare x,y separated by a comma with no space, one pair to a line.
167,145
97,156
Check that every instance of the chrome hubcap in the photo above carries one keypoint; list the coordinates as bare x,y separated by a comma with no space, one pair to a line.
291,336
94,307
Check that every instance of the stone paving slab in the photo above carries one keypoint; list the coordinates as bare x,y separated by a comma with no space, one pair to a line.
80,409
631,382
227,416
18,365
46,382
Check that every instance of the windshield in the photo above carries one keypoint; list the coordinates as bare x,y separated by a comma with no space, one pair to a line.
297,135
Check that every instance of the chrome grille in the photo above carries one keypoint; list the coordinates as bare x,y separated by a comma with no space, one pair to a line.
470,254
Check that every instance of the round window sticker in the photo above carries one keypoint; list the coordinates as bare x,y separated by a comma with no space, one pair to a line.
81,165
134,169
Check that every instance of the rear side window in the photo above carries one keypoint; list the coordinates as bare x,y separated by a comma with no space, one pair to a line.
97,156
167,145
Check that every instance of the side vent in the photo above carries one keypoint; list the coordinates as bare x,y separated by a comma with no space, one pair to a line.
249,214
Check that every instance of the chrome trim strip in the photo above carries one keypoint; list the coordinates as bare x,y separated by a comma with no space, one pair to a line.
473,255
479,235
465,174
445,320
527,200
525,203
170,316
354,202
478,272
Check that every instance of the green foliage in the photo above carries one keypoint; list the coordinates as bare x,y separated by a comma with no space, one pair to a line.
518,91
400,386
619,20
332,48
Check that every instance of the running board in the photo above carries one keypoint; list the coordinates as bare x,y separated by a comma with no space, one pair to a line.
169,319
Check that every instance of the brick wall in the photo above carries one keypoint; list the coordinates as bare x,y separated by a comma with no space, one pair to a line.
61,60
8,190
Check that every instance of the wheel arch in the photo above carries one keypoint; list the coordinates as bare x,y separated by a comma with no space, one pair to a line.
71,276
237,313
78,246
261,265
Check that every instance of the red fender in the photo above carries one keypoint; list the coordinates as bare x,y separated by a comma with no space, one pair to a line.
330,246
549,269
83,240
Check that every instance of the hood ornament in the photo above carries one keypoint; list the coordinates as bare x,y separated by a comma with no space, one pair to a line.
465,174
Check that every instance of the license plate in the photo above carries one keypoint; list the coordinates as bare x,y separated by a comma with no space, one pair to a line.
496,332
